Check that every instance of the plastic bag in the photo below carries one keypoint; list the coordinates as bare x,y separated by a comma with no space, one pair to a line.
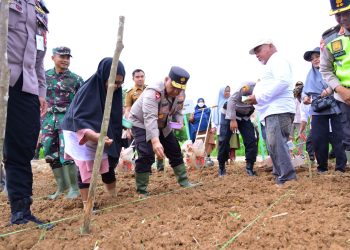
198,148
125,159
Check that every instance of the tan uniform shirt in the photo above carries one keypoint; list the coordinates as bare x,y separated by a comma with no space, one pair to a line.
153,110
132,95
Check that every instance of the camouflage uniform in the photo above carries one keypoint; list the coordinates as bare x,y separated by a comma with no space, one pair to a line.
61,89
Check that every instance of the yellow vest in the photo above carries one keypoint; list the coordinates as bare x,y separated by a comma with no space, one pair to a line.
340,48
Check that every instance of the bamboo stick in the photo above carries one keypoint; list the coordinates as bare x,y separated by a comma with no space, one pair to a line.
4,78
105,122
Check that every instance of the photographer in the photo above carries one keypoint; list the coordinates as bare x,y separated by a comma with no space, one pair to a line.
325,116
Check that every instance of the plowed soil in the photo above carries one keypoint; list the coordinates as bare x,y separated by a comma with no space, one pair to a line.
233,212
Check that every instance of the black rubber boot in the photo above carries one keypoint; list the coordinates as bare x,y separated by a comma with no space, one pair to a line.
142,180
249,169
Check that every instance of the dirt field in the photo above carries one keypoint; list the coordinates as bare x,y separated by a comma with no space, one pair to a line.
234,212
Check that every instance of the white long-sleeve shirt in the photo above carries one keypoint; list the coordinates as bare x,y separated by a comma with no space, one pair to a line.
274,91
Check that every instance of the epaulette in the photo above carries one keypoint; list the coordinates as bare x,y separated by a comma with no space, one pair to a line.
331,33
128,90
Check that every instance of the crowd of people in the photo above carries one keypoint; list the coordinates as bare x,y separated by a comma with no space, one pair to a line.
69,113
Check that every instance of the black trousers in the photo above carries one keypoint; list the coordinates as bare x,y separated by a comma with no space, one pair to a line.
310,147
21,136
247,131
321,138
145,152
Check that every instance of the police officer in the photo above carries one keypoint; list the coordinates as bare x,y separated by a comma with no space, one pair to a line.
158,105
138,76
334,63
62,84
26,49
238,118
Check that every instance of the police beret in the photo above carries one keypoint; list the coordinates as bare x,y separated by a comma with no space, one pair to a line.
179,77
307,54
61,51
339,6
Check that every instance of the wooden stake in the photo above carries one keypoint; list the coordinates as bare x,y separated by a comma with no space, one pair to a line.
4,77
105,122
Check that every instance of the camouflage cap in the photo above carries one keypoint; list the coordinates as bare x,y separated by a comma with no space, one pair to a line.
61,51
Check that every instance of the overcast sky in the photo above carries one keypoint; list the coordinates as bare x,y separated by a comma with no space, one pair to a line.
210,39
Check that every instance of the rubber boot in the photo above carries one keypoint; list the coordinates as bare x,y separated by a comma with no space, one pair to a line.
181,175
71,179
160,165
142,180
347,153
249,169
60,181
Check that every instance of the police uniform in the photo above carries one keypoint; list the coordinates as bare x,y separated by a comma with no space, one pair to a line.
335,65
150,116
61,89
132,95
239,111
26,49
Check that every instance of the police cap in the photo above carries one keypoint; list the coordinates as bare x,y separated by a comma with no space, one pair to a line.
179,77
339,6
61,51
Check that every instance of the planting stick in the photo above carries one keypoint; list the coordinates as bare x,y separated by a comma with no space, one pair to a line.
104,127
4,78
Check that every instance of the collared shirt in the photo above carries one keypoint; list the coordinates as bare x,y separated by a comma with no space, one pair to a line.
274,91
327,68
154,110
61,89
235,105
24,27
132,95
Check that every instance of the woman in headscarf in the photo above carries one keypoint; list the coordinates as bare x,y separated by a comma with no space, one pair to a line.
201,123
220,111
82,125
323,122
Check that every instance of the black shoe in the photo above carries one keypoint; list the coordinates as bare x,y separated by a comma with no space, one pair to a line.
222,172
249,169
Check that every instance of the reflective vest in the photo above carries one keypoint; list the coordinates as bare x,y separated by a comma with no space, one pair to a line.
340,49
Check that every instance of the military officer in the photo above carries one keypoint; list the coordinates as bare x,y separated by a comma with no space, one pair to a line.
334,63
62,84
151,115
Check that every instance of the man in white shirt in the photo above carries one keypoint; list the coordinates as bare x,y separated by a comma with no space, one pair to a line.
273,99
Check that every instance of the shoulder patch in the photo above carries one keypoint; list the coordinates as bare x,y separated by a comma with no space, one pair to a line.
128,90
330,34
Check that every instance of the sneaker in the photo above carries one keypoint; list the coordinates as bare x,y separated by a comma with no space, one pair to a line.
322,171
209,162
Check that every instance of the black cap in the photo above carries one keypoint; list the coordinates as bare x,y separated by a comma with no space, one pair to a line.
179,77
307,54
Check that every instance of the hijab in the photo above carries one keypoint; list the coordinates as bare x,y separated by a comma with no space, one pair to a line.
87,107
314,83
220,103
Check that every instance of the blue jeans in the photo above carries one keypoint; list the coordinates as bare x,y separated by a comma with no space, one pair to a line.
278,128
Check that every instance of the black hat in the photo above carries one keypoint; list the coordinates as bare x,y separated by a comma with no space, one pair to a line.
339,6
61,51
179,77
307,54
